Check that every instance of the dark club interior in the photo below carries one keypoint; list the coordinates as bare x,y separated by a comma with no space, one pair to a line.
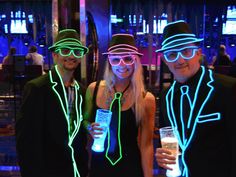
26,23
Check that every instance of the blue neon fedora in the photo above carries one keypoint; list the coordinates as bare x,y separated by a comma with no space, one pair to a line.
176,34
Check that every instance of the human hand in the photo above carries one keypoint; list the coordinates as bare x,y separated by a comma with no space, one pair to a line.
164,158
95,130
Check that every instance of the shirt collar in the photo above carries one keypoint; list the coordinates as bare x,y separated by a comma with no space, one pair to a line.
191,82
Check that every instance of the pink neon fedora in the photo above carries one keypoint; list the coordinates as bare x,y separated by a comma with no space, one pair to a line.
122,44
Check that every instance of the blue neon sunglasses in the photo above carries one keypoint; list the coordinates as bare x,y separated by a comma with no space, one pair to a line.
187,53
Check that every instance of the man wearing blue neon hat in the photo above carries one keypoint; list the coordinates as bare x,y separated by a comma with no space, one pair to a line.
49,137
200,105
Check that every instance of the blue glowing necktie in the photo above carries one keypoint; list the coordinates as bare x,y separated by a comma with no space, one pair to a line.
193,119
185,108
114,150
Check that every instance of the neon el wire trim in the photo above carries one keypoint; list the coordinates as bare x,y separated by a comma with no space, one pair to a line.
185,142
120,48
120,53
184,34
73,40
120,56
121,59
67,30
76,130
68,43
123,34
175,22
118,96
69,47
179,49
178,54
177,45
215,115
181,34
70,138
181,109
187,36
71,51
122,45
187,42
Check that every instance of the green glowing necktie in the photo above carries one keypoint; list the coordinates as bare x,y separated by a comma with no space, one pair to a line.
114,149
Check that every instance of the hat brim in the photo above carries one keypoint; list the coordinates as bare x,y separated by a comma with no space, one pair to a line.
177,44
124,52
72,45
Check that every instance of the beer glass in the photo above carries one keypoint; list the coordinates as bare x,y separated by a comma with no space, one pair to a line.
169,141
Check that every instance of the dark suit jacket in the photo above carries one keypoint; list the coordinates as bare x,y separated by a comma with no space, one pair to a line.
211,151
43,144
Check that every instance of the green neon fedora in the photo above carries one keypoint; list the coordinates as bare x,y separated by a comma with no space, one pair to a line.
176,34
68,38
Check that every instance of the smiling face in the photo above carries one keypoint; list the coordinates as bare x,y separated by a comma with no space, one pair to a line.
183,67
122,65
67,62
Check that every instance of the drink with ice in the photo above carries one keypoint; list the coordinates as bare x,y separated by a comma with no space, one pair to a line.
103,117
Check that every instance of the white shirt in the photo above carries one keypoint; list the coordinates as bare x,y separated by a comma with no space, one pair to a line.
36,58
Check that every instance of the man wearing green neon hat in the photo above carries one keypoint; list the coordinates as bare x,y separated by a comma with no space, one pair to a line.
50,140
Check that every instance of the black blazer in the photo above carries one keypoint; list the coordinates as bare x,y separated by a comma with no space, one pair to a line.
211,149
43,144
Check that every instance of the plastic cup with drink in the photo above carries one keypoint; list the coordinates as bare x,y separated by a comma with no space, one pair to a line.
103,117
169,141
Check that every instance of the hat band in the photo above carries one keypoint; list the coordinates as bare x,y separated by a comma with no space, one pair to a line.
120,51
64,44
121,46
180,41
70,45
123,49
178,36
68,40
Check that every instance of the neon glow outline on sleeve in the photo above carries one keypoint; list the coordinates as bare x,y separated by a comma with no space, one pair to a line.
184,143
65,111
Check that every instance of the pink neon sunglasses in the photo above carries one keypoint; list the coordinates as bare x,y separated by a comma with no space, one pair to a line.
116,60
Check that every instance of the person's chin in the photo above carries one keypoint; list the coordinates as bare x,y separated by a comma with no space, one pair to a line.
122,76
181,67
181,73
71,67
182,70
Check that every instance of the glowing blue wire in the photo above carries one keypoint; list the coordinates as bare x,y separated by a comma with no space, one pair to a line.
194,48
184,143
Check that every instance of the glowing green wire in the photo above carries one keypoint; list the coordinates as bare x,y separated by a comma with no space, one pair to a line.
118,96
66,114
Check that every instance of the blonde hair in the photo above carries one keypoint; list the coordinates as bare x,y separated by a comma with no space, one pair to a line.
137,84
